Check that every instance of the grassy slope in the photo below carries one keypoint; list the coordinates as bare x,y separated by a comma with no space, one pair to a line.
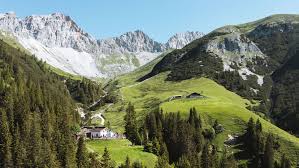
64,74
225,106
119,149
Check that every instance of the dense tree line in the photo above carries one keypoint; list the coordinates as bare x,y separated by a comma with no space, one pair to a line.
84,91
261,148
37,115
187,143
175,140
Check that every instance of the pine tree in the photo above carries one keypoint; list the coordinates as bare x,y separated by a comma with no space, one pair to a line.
18,149
205,157
250,138
183,162
162,162
35,141
128,162
163,149
156,147
228,161
144,136
268,161
137,164
81,154
48,157
5,141
131,129
285,162
191,117
106,161
94,162
214,158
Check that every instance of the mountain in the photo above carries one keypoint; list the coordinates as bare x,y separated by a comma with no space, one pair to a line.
59,41
179,40
240,72
257,60
134,49
55,39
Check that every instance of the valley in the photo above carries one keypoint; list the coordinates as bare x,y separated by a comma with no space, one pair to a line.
225,99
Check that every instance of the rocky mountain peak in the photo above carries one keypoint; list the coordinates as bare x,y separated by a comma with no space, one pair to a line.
57,39
179,40
54,30
138,41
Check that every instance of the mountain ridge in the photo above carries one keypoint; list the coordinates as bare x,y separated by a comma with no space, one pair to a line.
58,40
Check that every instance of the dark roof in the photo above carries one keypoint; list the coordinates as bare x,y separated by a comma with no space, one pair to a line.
88,127
194,94
97,129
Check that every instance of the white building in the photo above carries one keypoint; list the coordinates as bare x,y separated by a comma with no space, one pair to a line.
98,132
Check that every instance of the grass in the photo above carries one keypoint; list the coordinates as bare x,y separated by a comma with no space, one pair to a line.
63,73
120,149
8,38
225,106
130,78
234,118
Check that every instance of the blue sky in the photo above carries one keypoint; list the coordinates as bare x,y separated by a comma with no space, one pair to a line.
158,18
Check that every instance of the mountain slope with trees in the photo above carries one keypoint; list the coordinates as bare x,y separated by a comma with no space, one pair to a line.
38,119
247,59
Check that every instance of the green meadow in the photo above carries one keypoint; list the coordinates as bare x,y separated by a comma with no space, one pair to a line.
119,149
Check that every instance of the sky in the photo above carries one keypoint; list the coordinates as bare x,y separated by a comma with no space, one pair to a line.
160,19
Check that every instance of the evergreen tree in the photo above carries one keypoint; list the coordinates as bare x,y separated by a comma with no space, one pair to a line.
137,164
81,154
144,136
48,157
128,162
285,162
19,154
156,147
162,162
131,128
93,161
35,141
228,161
5,141
268,161
205,157
183,162
106,161
214,157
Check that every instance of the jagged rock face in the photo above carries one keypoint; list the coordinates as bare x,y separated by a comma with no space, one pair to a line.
136,41
234,48
58,40
55,30
133,49
180,40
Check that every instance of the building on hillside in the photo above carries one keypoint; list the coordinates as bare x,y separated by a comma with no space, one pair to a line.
175,97
194,95
98,132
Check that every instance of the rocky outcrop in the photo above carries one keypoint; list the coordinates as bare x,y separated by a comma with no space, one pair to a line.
180,40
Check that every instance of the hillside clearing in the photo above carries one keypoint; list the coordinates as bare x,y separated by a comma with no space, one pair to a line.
119,149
